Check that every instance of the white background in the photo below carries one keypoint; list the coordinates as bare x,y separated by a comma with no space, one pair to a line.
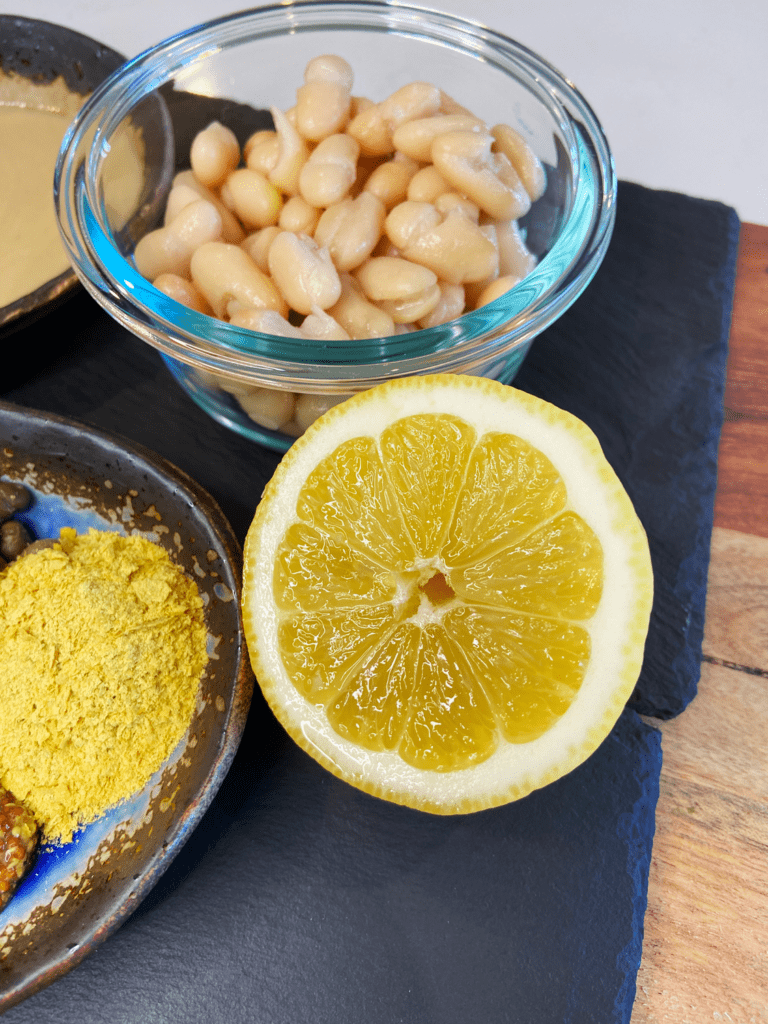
679,85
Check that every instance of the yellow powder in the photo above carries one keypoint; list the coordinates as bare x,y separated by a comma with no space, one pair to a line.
102,645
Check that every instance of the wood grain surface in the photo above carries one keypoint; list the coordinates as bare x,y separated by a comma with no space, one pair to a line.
705,952
742,492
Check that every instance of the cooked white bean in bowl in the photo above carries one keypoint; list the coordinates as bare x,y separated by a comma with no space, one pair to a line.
414,194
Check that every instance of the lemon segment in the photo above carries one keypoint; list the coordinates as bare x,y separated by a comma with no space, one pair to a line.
529,667
555,571
374,708
509,490
322,652
350,499
316,571
412,696
451,725
427,488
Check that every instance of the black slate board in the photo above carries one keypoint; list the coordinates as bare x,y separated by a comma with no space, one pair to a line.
301,899
641,359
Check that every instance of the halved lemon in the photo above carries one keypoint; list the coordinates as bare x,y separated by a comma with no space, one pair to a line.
446,592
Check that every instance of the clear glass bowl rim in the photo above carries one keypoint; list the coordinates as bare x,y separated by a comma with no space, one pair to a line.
512,321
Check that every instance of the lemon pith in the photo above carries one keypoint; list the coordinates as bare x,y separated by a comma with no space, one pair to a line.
428,600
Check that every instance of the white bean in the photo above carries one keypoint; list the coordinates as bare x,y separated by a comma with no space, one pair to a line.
426,185
320,326
409,220
415,100
330,171
465,160
329,67
265,321
303,272
449,306
414,307
231,229
514,256
182,291
214,153
268,408
456,248
323,102
522,158
496,289
350,230
168,250
359,317
292,154
230,280
181,195
261,151
257,246
310,407
371,131
415,138
253,199
453,202
298,216
389,277
389,181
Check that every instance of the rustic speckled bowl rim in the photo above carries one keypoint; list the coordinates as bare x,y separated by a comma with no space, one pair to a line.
13,421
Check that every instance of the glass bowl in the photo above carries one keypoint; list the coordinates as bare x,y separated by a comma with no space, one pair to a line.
135,132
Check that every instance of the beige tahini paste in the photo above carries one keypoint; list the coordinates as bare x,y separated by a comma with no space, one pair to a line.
33,119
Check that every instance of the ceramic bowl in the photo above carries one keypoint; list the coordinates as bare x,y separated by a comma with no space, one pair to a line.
78,893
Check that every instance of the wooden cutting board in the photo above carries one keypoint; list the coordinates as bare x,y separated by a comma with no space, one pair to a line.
705,952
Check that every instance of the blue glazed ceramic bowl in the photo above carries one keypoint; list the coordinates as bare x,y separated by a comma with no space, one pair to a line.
78,893
256,59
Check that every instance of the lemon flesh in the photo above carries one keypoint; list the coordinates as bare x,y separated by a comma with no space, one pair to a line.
496,652
446,581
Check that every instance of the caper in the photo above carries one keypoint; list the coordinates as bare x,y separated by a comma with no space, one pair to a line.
13,498
14,537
